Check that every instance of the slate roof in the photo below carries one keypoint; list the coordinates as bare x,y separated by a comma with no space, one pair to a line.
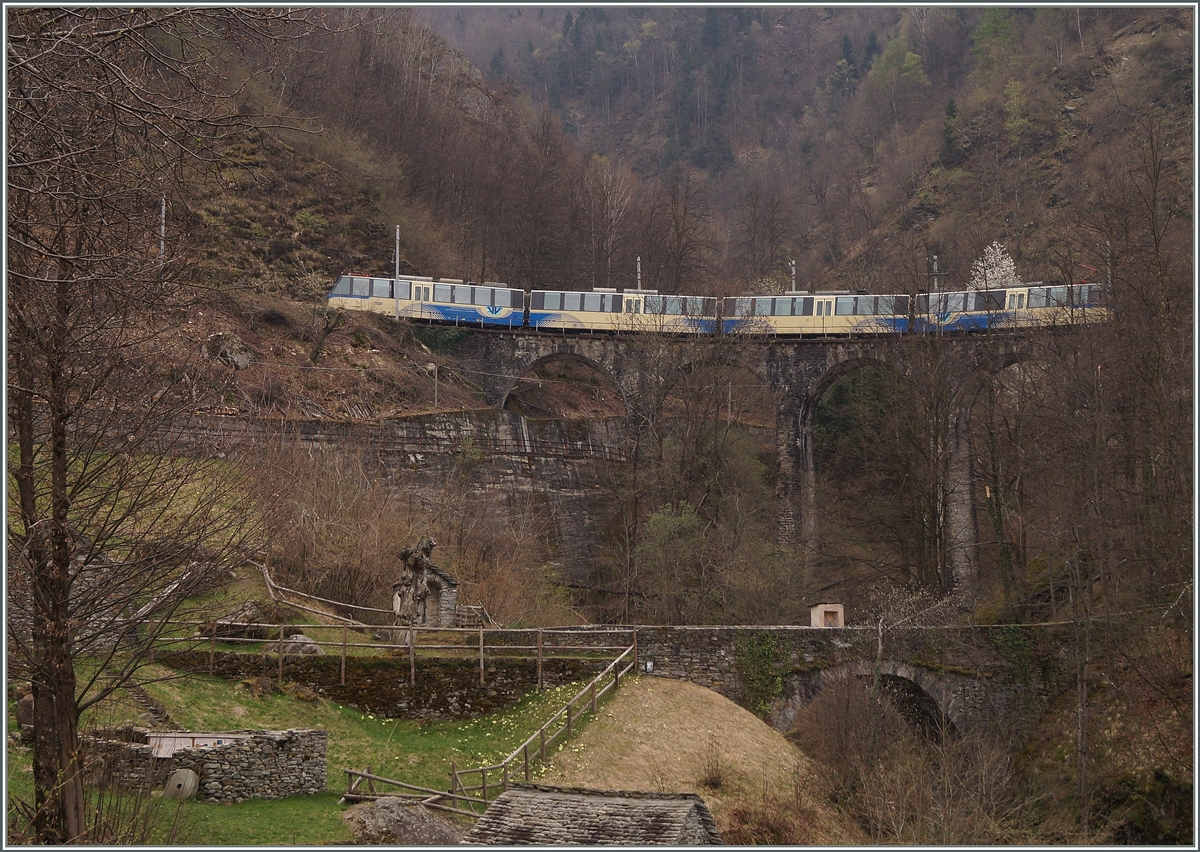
534,814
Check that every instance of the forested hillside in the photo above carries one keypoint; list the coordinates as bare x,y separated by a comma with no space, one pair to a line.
184,185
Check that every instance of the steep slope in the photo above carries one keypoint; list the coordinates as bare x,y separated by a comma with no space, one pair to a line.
671,736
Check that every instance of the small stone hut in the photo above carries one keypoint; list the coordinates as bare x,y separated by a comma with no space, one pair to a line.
557,816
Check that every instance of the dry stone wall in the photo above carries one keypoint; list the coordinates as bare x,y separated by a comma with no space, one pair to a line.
443,689
262,765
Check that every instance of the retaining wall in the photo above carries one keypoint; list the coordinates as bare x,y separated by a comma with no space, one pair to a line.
263,765
443,688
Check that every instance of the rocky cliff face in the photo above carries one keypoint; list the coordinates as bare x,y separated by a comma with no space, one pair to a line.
496,461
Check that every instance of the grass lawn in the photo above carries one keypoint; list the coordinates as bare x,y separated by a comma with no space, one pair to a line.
416,752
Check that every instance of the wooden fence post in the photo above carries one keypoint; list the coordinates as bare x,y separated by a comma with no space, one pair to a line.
539,658
483,782
344,628
481,658
281,659
526,756
635,651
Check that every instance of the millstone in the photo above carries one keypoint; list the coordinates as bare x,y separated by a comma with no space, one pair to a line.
182,784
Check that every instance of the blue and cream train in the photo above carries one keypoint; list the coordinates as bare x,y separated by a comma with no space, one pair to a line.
795,313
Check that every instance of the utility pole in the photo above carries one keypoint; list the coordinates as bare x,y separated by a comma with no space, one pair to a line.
793,265
934,275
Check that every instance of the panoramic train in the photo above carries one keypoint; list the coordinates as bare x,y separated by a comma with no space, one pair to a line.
795,313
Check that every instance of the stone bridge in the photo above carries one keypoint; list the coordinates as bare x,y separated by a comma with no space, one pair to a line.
967,680
796,373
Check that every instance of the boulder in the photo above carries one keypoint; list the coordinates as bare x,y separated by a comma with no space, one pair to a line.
301,644
259,686
25,710
394,822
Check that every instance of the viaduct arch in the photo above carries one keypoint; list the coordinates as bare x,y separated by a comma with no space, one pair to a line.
644,368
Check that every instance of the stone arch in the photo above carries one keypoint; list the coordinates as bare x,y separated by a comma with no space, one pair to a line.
598,367
929,704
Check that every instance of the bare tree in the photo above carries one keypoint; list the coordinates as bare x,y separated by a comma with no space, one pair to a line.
111,112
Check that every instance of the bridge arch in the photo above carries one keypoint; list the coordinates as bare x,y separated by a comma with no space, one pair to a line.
573,358
926,701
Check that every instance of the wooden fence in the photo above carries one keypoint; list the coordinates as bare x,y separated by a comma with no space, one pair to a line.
439,642
470,789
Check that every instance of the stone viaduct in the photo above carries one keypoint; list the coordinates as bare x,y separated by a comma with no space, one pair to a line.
796,373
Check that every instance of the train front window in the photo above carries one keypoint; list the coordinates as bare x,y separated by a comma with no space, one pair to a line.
342,287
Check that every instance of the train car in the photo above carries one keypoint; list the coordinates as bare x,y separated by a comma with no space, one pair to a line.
441,300
837,313
629,310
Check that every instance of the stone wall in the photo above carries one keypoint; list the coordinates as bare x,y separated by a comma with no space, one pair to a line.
443,688
264,765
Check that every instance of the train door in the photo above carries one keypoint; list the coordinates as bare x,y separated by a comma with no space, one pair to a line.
824,309
633,306
422,292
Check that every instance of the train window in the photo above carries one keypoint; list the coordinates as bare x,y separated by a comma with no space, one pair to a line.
572,301
381,288
461,294
632,306
342,287
1039,297
1058,297
921,304
844,306
953,303
591,301
403,290
360,286
655,304
806,307
441,292
1012,301
483,296
673,305
989,300
614,303
1079,295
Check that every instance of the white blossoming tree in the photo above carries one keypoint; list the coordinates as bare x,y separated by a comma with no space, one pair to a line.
995,270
